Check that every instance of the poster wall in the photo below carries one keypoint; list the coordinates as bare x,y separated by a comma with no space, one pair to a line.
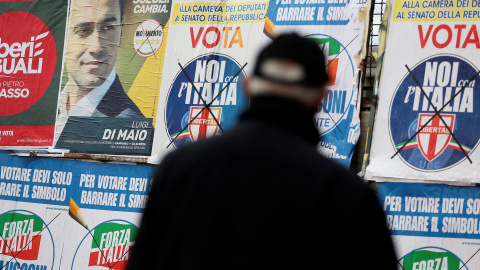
121,86
65,214
434,226
111,81
427,123
31,51
214,48
340,29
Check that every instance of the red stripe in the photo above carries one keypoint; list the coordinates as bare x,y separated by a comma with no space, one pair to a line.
29,252
117,263
184,135
202,133
458,148
433,139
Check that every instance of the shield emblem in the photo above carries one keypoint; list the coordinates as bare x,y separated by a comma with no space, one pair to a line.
204,125
434,137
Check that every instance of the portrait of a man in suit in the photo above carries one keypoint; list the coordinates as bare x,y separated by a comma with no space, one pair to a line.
93,88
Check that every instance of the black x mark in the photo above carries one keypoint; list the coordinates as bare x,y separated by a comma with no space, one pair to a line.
207,106
10,250
329,115
437,113
14,256
147,40
201,97
100,248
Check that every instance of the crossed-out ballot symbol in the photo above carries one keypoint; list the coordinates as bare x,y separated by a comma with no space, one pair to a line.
437,114
103,253
147,41
206,105
76,214
14,256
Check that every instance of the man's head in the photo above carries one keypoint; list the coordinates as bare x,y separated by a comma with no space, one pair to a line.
290,66
93,40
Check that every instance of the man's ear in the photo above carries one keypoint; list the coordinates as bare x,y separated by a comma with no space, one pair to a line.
320,96
247,87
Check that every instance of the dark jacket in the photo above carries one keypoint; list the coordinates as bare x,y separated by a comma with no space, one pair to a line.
261,197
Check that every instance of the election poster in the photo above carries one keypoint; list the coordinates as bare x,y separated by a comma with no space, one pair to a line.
67,214
426,126
433,226
31,50
340,28
213,49
113,68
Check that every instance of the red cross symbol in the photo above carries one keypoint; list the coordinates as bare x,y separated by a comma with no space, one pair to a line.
434,137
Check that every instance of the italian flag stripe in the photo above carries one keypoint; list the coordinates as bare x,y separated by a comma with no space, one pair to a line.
411,144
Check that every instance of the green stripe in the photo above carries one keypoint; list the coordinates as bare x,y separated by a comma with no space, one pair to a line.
402,143
15,217
333,45
176,134
463,145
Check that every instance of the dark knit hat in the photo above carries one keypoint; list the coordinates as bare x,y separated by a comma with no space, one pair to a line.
303,51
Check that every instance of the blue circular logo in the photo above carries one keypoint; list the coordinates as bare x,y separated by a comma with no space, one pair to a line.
437,127
340,88
211,79
107,245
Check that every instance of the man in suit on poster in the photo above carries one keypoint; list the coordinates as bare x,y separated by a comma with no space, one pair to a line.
93,88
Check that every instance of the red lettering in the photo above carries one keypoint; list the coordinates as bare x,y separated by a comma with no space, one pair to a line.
424,39
459,28
434,36
472,37
437,36
216,41
197,38
211,37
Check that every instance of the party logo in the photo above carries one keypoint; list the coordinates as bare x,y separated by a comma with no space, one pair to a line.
203,123
432,120
108,247
431,258
26,242
340,87
205,98
148,38
28,57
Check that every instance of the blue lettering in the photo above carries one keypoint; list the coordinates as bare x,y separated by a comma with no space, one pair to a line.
24,266
334,101
319,122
